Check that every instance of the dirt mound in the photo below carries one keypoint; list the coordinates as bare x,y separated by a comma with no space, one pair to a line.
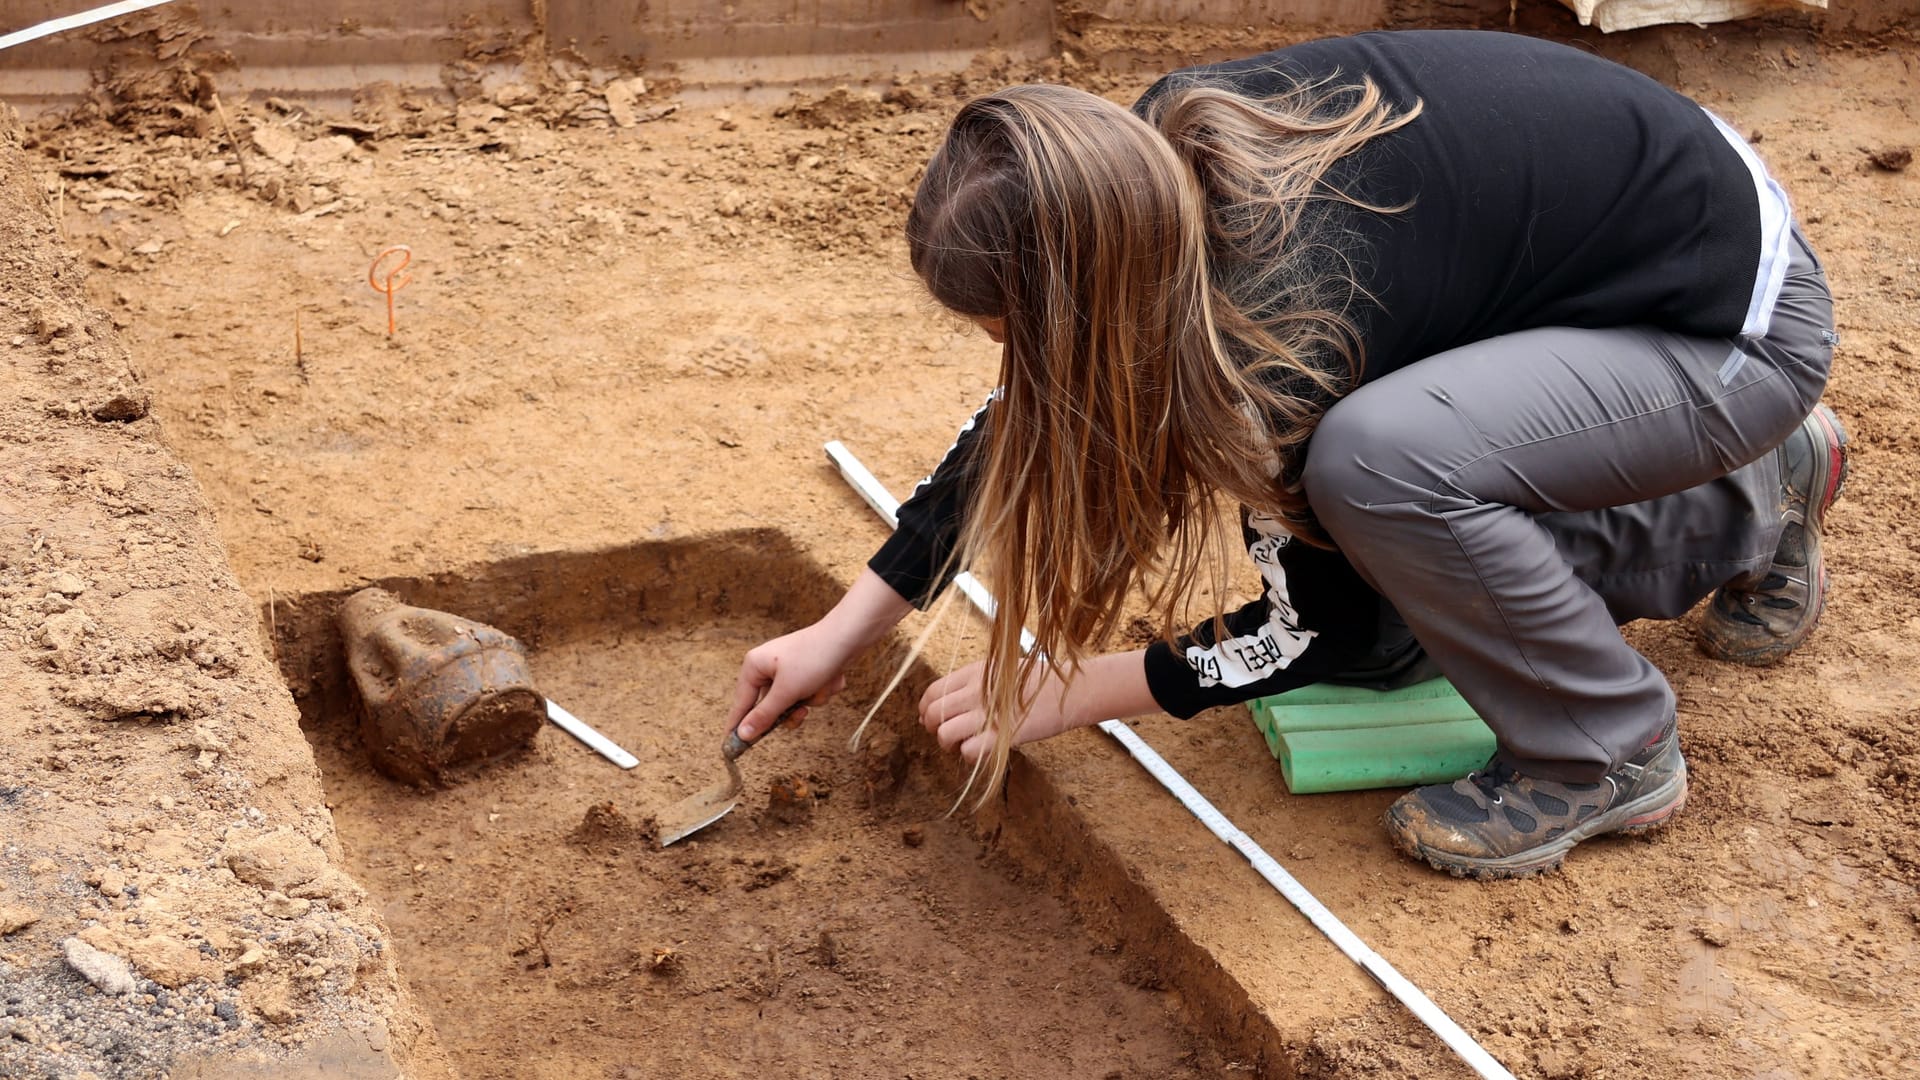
166,845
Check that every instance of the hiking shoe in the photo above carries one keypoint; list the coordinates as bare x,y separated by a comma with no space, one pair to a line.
1761,624
1499,824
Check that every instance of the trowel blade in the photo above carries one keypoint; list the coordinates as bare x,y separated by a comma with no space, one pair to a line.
696,812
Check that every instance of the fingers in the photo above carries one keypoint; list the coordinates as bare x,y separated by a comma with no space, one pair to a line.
978,746
950,695
760,718
765,700
951,709
753,681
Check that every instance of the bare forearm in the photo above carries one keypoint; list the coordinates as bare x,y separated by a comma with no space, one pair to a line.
866,613
1109,687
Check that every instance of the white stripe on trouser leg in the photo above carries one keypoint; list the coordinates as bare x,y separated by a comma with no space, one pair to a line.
1731,366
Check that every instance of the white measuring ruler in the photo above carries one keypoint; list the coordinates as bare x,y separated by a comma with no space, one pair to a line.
1437,1021
74,22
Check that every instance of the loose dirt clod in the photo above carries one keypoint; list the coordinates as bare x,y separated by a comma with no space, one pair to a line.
1891,158
790,800
603,824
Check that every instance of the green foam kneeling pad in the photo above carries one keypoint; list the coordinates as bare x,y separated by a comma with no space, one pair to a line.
1346,738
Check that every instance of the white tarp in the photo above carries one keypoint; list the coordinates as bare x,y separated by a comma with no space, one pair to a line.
1611,15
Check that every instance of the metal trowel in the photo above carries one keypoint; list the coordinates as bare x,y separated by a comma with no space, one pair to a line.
696,812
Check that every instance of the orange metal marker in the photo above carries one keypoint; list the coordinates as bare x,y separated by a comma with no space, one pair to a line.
395,279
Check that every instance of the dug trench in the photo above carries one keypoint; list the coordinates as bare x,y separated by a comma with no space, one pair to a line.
646,332
839,922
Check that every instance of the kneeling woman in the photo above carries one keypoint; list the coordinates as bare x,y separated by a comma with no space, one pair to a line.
1491,340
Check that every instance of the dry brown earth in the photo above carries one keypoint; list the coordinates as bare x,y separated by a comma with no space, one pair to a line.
624,334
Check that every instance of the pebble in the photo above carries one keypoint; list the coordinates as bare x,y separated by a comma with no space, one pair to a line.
15,917
112,974
225,1011
112,883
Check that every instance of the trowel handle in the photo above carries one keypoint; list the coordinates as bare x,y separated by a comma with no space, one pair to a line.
735,745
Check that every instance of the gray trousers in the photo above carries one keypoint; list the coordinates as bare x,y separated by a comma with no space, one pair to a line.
1518,498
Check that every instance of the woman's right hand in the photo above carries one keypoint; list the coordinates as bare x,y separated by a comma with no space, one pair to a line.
808,666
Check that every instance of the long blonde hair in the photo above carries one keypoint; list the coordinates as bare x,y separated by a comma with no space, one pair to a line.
1173,331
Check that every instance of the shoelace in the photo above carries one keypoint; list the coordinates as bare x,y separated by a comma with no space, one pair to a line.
1768,589
1490,780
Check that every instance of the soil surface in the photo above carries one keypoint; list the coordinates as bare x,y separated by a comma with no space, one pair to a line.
837,923
167,880
616,333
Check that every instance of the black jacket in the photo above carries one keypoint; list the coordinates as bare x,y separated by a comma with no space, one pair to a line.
1547,187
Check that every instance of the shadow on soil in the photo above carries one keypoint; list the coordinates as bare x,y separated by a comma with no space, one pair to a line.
532,892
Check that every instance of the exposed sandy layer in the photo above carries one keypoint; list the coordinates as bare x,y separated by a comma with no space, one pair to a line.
645,332
837,923
161,826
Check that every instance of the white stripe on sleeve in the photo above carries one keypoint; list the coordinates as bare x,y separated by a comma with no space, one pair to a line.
1278,642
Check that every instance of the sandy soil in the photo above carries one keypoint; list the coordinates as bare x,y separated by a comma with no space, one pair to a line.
166,881
838,923
624,333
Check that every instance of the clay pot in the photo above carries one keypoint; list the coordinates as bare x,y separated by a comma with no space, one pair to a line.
437,691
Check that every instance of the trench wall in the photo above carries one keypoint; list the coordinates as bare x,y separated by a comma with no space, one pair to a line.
157,801
329,47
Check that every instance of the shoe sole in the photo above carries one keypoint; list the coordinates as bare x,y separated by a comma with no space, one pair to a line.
1838,467
1647,812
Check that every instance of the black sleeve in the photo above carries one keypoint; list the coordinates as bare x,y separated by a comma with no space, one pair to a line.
1315,617
913,558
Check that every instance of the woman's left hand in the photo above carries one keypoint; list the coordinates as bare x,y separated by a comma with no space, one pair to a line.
1114,685
953,710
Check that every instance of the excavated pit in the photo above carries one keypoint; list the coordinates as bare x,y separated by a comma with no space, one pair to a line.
839,922
623,331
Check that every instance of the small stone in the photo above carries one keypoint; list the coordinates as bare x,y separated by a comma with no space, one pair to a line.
67,584
169,961
16,917
913,836
621,99
475,116
63,632
281,906
328,150
124,407
112,883
905,96
1716,936
280,860
515,94
251,961
112,974
273,1000
278,144
226,1010
790,800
